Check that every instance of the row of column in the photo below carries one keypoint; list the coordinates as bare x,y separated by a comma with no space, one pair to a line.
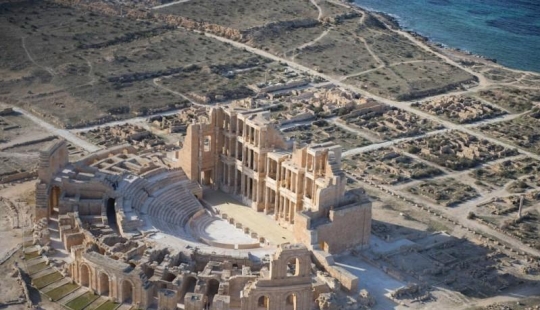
251,159
227,150
252,136
289,180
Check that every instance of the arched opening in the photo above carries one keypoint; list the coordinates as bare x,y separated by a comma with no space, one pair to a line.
85,275
103,284
127,292
54,198
111,214
263,302
188,287
169,277
212,290
206,177
293,267
290,302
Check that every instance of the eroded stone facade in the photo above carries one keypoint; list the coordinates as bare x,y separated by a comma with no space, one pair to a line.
302,187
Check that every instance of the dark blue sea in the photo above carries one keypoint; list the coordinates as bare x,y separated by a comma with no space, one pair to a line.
507,30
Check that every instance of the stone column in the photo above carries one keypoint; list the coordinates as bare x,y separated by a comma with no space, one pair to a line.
242,184
255,191
229,179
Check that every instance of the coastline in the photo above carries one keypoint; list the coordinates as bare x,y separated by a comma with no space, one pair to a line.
397,25
458,53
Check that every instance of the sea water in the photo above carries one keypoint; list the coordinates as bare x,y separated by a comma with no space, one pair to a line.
506,30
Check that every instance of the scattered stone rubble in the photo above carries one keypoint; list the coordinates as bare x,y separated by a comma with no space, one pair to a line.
460,109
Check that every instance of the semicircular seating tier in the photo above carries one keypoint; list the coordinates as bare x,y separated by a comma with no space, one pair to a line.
166,199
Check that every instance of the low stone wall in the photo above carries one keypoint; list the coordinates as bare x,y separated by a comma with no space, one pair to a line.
26,293
30,142
18,177
347,279
10,253
230,246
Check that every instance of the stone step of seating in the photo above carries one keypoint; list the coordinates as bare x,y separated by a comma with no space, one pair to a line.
175,206
164,183
162,180
199,225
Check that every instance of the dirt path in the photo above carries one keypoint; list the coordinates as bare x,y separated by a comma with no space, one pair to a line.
482,81
90,73
169,4
29,155
301,47
48,69
156,83
321,14
373,55
59,132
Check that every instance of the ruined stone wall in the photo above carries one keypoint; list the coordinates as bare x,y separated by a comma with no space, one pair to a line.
349,227
236,285
99,155
288,285
273,139
329,196
324,260
188,157
166,299
301,230
51,160
108,277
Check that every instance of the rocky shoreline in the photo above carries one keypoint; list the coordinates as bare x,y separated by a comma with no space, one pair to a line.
395,23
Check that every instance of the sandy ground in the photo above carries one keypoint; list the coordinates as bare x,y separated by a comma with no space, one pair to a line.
256,221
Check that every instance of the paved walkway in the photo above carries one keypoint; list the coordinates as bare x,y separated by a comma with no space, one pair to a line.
59,132
222,231
257,222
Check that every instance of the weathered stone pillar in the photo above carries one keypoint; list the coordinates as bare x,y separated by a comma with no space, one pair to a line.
167,299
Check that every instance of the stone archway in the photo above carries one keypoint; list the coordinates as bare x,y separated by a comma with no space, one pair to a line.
127,291
84,275
263,302
103,284
187,287
111,214
293,267
54,199
291,302
212,290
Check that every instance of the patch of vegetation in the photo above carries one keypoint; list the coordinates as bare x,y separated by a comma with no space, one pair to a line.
46,280
408,81
108,305
433,226
37,267
62,291
82,301
514,99
31,255
243,14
